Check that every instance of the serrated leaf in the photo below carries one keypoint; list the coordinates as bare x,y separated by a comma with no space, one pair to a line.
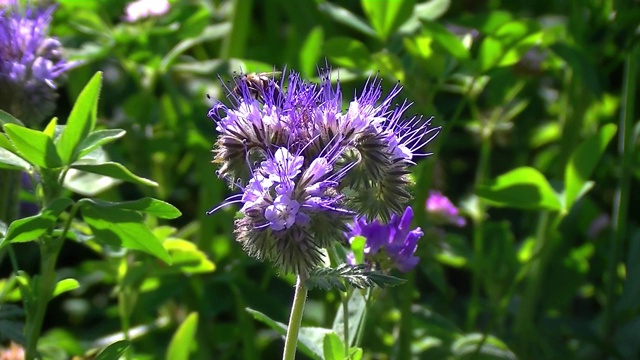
65,285
32,227
114,351
98,138
33,146
332,347
521,188
583,162
183,339
122,228
146,205
114,170
81,121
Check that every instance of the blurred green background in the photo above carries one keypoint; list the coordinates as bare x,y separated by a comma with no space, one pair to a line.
514,84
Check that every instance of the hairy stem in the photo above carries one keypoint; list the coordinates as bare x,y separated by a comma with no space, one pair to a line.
295,319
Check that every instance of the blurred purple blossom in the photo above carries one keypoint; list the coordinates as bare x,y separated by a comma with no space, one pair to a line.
31,62
441,211
142,9
389,245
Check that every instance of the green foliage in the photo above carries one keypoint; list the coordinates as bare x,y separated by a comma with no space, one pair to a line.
538,150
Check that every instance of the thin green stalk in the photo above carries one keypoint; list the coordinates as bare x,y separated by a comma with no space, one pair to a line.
406,318
295,319
345,320
621,201
49,250
478,233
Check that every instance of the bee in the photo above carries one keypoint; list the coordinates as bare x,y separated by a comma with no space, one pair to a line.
258,85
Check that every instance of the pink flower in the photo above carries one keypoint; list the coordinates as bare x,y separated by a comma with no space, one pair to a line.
441,211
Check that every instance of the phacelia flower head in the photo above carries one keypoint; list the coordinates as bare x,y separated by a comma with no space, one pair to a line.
306,167
31,63
142,9
441,211
390,245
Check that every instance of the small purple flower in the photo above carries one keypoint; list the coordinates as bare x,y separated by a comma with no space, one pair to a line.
389,245
441,211
306,167
31,63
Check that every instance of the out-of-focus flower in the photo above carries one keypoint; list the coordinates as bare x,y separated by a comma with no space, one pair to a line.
13,352
142,9
599,224
31,63
306,168
441,211
388,245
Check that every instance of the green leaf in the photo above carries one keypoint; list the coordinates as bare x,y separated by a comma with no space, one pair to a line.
356,307
310,338
183,339
311,51
6,118
579,62
387,16
521,188
491,51
478,346
347,52
446,39
333,348
113,170
32,227
583,162
114,351
122,228
346,17
187,258
65,285
146,205
81,121
357,246
11,161
33,146
98,138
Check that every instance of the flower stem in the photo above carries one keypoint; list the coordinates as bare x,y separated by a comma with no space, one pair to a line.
295,319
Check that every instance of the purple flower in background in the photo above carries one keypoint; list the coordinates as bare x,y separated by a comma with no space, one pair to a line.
441,211
306,167
389,245
31,63
142,9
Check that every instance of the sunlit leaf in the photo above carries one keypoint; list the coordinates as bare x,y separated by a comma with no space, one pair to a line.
98,138
32,227
33,146
583,162
183,339
347,52
332,347
122,228
114,351
387,16
65,285
81,121
114,170
522,188
6,118
146,205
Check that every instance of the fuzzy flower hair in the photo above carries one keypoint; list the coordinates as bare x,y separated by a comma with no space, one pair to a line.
31,63
306,168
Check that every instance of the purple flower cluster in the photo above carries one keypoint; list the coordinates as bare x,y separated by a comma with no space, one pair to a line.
306,167
441,211
388,245
30,63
